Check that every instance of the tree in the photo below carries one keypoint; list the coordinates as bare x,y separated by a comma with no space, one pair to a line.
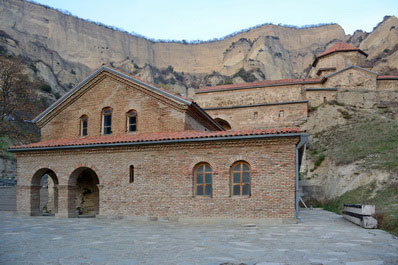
14,87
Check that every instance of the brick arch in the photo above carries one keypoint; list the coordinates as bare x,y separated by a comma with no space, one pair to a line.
236,158
197,160
39,173
84,191
73,174
35,191
76,173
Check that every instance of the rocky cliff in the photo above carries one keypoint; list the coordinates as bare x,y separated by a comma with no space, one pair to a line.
63,49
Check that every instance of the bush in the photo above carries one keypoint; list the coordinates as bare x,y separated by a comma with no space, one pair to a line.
228,81
319,160
247,76
170,69
46,88
33,67
45,102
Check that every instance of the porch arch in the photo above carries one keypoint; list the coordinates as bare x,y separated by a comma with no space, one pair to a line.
44,192
85,194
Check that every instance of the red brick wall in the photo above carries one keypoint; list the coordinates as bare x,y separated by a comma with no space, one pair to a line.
163,178
153,114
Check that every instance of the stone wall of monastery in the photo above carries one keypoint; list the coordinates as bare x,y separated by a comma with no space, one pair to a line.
318,97
261,117
339,61
250,96
387,85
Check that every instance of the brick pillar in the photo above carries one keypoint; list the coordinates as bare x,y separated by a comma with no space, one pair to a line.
100,188
35,200
55,197
24,199
66,201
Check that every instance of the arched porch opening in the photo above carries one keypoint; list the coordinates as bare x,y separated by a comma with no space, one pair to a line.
223,123
44,192
86,192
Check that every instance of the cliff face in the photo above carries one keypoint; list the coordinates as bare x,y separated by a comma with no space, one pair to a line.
62,49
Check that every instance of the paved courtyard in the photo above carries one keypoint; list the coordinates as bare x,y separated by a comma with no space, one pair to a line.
320,238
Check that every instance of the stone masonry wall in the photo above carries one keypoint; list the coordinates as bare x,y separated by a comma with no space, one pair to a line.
260,117
250,96
316,98
387,85
339,61
163,181
352,79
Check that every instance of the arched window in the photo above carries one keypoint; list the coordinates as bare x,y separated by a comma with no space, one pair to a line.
131,174
203,179
132,121
107,120
84,125
223,123
240,179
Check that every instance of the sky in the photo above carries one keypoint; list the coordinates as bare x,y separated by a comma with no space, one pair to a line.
207,19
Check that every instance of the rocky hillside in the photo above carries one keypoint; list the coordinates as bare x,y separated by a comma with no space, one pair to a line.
62,49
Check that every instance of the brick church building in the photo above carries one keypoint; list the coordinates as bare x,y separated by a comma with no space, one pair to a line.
117,146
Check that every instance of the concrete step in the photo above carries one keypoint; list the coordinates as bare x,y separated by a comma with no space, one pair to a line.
360,209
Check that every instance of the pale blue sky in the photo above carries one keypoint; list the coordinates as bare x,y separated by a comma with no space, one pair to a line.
207,19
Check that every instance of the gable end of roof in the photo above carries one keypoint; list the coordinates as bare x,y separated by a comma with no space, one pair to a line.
108,69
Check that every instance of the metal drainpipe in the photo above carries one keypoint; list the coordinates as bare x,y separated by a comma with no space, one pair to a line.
303,140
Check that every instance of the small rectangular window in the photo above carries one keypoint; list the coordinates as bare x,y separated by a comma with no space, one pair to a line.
107,124
131,174
84,127
132,124
281,113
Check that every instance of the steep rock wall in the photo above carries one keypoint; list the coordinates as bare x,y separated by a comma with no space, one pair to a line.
65,49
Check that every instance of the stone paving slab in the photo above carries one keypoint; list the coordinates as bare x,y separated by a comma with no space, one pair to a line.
319,238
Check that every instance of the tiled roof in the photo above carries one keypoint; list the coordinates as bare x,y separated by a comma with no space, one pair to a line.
388,77
338,47
264,83
142,138
325,69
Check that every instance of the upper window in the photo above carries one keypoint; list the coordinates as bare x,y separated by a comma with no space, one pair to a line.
83,125
107,120
132,121
240,178
203,180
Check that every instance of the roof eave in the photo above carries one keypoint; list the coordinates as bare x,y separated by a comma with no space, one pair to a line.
153,142
206,116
